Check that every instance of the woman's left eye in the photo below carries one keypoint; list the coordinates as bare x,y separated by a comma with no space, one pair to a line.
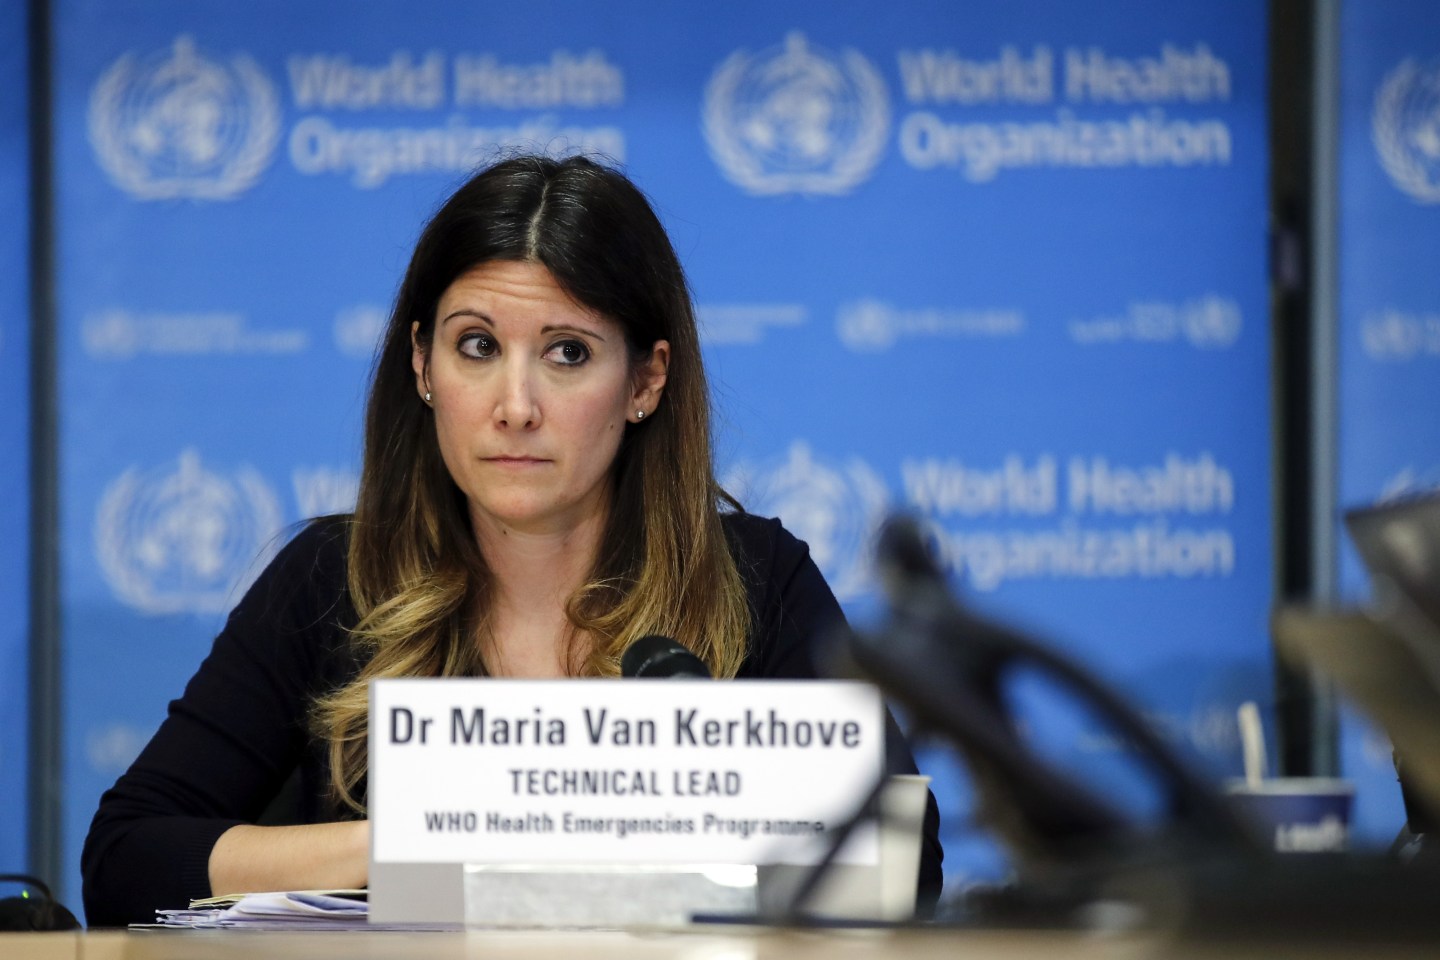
568,353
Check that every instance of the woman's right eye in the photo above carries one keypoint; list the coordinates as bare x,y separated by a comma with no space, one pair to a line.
478,345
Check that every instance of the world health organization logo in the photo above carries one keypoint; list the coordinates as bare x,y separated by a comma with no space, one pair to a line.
796,119
111,748
835,508
867,326
359,329
182,538
1391,335
1406,129
1212,322
180,125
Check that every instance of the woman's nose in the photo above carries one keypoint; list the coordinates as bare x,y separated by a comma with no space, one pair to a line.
516,406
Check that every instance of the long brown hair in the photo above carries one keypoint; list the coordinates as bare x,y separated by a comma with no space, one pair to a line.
417,579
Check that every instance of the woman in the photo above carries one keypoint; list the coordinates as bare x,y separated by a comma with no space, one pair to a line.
537,493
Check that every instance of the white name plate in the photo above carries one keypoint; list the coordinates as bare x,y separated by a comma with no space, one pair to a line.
605,771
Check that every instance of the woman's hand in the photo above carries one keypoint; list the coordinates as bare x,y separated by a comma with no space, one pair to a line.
320,856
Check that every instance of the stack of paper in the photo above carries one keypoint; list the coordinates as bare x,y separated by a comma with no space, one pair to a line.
294,910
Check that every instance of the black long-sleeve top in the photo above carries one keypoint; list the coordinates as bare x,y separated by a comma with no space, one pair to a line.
240,730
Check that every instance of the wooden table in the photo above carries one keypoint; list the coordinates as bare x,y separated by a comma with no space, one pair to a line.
696,944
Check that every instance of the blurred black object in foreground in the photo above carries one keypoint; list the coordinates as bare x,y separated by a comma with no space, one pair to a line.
1396,678
28,913
1080,859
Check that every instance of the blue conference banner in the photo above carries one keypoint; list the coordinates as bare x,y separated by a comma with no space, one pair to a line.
1003,266
1389,306
14,440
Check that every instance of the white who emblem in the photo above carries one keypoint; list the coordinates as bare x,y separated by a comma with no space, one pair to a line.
1406,129
867,326
1391,335
796,119
1212,322
113,747
179,125
359,329
183,539
835,508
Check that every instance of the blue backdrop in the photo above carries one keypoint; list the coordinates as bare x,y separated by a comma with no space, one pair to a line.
14,437
1389,303
1003,265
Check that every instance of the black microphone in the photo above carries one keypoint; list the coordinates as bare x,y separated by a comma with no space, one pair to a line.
903,558
659,658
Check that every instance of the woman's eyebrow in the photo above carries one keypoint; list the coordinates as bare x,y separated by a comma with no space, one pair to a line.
466,312
554,327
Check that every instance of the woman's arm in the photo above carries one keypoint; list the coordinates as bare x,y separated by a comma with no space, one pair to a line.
227,745
319,856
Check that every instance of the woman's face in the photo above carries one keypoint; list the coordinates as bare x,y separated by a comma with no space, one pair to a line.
531,393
